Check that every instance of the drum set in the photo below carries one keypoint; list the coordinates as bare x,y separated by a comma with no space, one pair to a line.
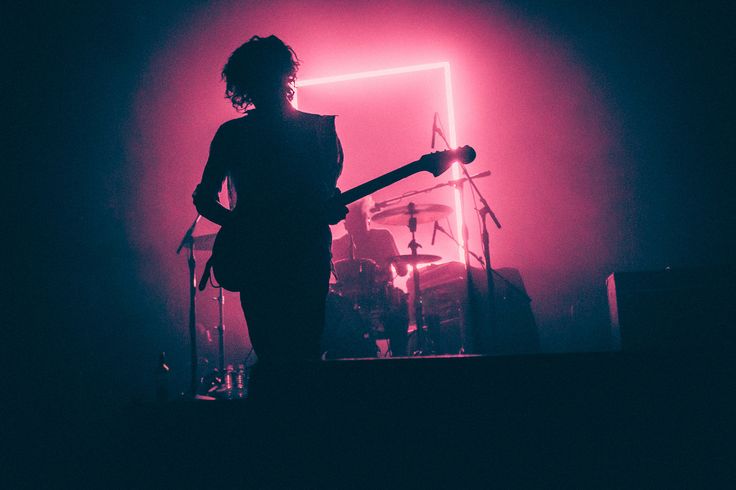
364,307
367,316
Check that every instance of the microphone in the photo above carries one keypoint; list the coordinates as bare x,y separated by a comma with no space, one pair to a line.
434,232
434,128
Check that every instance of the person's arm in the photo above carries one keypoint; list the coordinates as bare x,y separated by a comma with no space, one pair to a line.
206,195
335,214
385,248
339,248
340,156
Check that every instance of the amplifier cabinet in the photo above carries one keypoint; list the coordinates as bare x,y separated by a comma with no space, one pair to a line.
447,312
672,310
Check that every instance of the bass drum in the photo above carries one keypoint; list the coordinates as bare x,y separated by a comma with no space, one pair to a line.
346,335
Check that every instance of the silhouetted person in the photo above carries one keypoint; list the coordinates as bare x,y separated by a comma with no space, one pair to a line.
282,166
375,244
379,246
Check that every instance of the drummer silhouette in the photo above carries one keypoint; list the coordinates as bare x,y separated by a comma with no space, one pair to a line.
361,242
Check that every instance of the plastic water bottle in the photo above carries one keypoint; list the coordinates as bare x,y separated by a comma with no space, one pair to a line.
229,381
241,382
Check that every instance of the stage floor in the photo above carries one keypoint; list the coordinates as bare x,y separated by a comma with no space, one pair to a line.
606,419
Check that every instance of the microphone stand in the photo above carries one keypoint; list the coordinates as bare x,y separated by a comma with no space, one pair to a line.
485,239
382,204
480,261
188,242
454,240
472,342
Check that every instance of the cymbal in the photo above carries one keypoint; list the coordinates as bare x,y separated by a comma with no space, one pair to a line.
415,259
204,242
399,215
355,261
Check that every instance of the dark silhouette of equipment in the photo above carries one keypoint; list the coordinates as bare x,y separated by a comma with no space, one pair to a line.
686,310
446,310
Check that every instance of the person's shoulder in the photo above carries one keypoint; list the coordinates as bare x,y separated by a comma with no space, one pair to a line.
380,233
233,124
310,115
316,118
343,238
231,128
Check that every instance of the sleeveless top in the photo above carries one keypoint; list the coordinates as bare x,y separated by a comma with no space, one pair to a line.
280,172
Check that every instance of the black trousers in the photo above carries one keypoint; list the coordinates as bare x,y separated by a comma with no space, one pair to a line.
283,300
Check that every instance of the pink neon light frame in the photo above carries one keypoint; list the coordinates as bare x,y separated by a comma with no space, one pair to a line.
443,65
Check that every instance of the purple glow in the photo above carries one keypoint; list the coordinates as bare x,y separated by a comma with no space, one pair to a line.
521,97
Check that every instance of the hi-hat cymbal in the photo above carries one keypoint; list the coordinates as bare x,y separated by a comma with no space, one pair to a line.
399,215
415,259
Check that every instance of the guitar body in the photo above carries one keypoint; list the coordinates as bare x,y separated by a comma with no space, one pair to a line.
228,261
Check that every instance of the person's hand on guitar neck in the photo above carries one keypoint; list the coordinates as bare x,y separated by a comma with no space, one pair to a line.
334,210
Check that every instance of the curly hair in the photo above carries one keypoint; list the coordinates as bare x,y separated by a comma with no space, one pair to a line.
259,62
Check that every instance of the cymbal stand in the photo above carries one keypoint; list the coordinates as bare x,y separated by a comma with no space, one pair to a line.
221,330
423,341
188,242
216,381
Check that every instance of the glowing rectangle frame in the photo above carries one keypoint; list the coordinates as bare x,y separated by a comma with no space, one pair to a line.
443,65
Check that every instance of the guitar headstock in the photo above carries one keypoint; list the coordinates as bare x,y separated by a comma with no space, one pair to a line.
439,161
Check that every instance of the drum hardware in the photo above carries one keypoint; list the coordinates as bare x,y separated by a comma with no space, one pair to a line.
415,259
188,241
388,202
416,213
356,278
421,213
424,346
472,344
383,216
439,228
220,298
203,243
222,374
363,308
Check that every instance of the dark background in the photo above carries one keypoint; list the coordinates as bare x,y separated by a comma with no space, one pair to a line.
76,305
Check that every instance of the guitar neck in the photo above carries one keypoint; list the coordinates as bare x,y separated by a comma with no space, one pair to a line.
379,183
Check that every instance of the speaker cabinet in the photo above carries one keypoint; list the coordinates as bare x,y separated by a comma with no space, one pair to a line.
673,310
447,311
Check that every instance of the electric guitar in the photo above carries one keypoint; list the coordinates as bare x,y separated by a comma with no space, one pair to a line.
225,251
